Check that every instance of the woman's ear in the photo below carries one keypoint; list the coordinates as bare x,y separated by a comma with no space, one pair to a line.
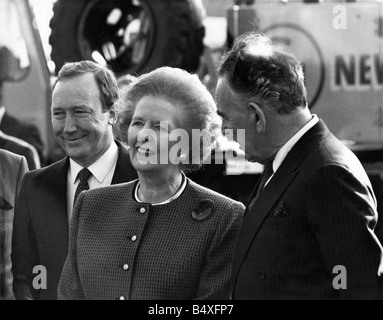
258,117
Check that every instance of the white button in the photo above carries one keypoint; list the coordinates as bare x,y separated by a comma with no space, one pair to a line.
122,298
125,267
134,238
142,210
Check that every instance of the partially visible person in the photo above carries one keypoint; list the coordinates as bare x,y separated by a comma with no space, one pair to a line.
309,228
83,114
125,80
17,128
123,84
12,169
22,148
161,236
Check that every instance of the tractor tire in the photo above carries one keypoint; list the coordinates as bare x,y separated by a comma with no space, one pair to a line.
131,36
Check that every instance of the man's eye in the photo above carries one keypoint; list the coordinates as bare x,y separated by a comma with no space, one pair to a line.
136,123
81,113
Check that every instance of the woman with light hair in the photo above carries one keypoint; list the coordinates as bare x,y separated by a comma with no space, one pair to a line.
161,236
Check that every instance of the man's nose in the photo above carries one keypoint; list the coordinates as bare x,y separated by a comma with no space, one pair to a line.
70,124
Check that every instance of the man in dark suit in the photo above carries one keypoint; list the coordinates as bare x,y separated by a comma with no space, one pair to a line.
309,228
83,113
12,170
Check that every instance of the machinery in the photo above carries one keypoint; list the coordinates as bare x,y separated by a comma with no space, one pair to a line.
131,36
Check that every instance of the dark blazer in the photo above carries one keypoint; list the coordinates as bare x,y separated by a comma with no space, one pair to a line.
28,132
21,148
123,249
12,170
316,213
41,232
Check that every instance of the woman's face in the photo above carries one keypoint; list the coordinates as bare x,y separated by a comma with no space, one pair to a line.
153,122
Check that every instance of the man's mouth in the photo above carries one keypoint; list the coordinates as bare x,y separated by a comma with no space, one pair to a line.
72,139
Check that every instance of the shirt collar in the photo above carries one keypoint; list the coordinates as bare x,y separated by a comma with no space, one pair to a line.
173,197
282,153
2,113
100,167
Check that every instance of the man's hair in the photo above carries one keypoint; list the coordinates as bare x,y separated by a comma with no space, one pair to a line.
184,90
258,71
105,79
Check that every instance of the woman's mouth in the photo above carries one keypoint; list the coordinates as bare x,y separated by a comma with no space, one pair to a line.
144,151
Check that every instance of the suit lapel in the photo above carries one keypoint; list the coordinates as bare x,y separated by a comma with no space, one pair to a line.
56,182
274,190
124,171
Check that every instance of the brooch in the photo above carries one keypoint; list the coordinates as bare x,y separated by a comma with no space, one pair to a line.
203,210
282,211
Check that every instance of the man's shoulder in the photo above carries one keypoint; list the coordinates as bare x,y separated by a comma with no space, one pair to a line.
51,171
204,193
10,165
333,151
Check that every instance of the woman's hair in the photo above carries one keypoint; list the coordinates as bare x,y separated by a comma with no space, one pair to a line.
185,91
105,79
258,71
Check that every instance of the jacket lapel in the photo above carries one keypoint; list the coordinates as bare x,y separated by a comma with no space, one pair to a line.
124,171
57,200
273,191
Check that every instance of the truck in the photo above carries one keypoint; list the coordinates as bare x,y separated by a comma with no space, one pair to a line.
130,36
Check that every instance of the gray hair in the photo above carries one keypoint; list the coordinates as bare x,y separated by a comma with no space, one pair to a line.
258,71
105,79
185,91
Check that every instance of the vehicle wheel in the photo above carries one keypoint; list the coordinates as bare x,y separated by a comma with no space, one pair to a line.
132,36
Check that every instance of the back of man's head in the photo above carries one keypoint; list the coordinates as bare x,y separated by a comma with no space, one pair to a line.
105,78
258,71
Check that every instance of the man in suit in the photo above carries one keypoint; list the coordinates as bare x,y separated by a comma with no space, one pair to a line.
12,169
309,228
83,113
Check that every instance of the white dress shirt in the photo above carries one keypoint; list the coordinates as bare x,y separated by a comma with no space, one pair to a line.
102,174
282,153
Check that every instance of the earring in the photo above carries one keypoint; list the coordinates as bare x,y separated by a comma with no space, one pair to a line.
182,157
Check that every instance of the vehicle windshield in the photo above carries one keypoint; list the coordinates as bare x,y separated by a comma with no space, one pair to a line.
14,59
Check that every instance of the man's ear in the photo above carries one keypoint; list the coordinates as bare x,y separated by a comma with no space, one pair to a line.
112,116
258,116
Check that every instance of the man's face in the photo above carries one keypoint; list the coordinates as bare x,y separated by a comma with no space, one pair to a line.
236,116
80,126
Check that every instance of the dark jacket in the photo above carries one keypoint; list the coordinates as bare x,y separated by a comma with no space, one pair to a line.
41,232
123,249
12,170
315,216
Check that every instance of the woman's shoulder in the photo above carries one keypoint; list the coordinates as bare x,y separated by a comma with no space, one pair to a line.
218,198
